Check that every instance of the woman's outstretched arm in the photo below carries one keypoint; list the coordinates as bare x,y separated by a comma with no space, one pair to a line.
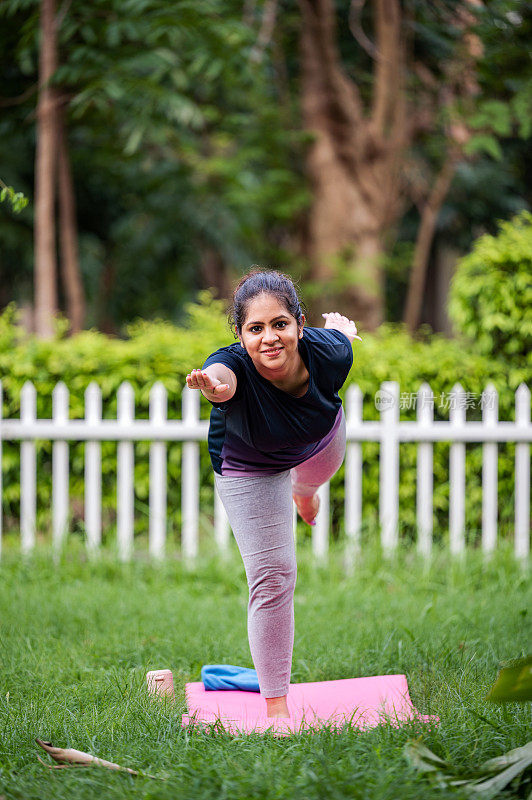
216,382
342,324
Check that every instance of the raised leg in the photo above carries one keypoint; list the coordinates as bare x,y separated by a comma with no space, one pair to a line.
318,469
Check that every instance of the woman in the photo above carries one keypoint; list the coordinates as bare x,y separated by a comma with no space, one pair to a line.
277,432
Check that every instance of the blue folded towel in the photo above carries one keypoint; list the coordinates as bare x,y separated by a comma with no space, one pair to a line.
218,677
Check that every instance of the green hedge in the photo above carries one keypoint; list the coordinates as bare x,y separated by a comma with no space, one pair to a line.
490,301
160,351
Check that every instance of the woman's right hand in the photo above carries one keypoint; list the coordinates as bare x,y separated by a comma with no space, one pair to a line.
211,387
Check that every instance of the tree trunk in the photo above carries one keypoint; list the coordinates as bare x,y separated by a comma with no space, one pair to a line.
425,236
68,233
343,244
45,161
354,163
214,274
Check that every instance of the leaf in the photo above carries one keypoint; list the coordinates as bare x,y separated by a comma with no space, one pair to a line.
484,143
522,108
17,200
492,786
514,683
133,141
493,115
485,781
422,758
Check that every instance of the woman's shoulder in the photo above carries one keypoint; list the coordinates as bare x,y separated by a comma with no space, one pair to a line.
232,356
228,348
326,337
331,354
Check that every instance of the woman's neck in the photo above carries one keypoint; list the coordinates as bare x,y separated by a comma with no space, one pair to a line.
294,378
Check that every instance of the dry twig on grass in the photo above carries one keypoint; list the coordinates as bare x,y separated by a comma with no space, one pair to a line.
76,758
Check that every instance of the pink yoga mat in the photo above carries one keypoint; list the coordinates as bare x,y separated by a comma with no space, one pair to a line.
360,702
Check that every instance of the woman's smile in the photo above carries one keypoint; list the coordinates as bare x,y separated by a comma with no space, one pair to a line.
272,352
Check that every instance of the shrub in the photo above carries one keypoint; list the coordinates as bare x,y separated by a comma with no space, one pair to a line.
161,351
491,293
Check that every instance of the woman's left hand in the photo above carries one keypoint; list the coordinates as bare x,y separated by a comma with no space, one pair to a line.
342,324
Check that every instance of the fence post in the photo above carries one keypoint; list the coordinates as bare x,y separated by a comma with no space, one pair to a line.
388,405
158,481
125,476
28,495
60,415
424,499
320,533
490,413
221,524
353,479
522,476
457,416
190,477
93,470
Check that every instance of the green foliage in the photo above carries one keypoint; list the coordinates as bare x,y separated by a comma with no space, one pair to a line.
161,351
497,119
514,682
391,354
179,151
156,351
182,143
17,199
491,293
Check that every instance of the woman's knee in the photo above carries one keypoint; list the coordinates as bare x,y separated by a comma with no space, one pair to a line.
273,583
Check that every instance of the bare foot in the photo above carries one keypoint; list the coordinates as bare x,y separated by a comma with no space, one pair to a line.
277,708
307,507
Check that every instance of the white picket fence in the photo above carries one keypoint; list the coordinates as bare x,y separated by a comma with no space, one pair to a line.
389,431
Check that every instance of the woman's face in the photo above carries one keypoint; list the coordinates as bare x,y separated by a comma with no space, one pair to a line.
270,334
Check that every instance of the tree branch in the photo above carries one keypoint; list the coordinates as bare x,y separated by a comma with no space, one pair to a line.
338,95
425,236
355,26
6,102
266,31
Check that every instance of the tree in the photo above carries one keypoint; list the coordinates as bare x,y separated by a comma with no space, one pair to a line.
187,147
168,103
45,174
366,165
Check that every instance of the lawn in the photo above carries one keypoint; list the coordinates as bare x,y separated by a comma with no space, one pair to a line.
77,639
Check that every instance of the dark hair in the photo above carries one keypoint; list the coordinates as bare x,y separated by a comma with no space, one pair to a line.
264,282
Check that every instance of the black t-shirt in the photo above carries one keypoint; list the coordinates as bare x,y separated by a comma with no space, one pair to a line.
265,430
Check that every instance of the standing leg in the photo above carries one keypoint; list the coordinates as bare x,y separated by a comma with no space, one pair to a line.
309,476
260,513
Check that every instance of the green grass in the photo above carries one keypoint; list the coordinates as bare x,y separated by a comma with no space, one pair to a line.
76,640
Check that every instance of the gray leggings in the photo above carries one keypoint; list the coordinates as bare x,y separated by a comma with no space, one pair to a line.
260,513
